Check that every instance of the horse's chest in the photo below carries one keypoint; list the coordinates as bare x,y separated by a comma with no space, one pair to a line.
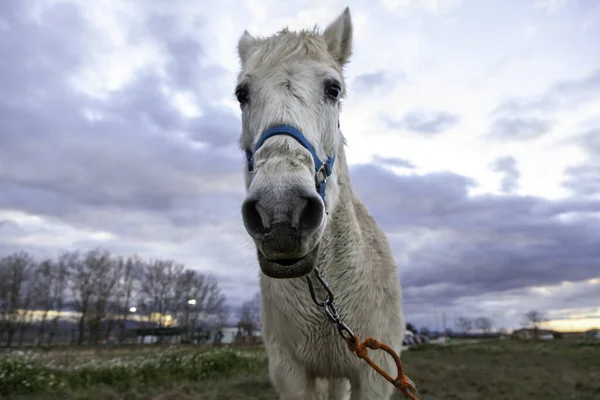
311,338
322,349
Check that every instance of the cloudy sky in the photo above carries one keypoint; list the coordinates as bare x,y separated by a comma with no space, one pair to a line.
473,137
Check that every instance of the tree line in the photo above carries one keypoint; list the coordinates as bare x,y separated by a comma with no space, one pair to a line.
104,291
532,319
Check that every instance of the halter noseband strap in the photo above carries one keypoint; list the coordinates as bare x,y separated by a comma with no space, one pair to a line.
321,168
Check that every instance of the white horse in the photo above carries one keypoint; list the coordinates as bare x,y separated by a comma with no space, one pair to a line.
302,213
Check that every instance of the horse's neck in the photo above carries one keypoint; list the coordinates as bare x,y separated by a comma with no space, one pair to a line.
343,240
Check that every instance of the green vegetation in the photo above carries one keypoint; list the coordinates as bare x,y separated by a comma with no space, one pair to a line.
492,370
42,374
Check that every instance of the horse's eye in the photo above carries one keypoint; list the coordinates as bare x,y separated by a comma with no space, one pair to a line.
333,90
242,95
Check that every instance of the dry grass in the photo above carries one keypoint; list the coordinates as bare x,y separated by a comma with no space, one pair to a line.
493,370
509,370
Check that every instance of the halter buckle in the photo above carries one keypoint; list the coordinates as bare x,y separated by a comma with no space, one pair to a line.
323,173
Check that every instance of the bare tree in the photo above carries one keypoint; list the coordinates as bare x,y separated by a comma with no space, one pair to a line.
534,319
92,280
44,302
188,296
484,323
127,290
58,289
81,286
17,290
4,297
250,315
102,290
159,281
209,302
104,279
464,324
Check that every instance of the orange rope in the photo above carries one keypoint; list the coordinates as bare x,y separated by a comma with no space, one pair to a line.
402,382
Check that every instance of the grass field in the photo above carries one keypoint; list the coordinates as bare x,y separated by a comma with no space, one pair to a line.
493,370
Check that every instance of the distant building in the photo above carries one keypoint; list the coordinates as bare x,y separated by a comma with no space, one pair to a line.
593,334
159,335
529,334
573,335
232,335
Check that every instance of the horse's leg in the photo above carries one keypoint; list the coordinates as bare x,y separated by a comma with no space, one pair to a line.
338,389
288,377
368,384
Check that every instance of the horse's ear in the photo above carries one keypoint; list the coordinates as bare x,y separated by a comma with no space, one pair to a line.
245,45
338,36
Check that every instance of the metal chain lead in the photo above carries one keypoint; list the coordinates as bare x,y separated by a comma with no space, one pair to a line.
328,306
406,385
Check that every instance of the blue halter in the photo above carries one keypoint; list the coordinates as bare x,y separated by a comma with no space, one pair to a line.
321,168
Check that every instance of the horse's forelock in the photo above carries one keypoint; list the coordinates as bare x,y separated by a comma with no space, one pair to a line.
288,45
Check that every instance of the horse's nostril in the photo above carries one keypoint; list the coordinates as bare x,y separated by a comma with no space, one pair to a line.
311,215
254,220
302,215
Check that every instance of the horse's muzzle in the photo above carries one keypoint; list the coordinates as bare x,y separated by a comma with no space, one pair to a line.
288,268
295,216
285,232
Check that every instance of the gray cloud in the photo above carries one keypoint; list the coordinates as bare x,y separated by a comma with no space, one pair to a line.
560,95
423,305
590,142
185,52
584,179
58,162
481,244
519,128
515,120
507,166
394,162
458,254
427,123
217,127
374,81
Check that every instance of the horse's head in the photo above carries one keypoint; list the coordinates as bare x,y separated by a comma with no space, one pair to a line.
289,89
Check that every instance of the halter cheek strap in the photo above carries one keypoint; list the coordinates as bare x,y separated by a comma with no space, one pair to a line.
322,169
